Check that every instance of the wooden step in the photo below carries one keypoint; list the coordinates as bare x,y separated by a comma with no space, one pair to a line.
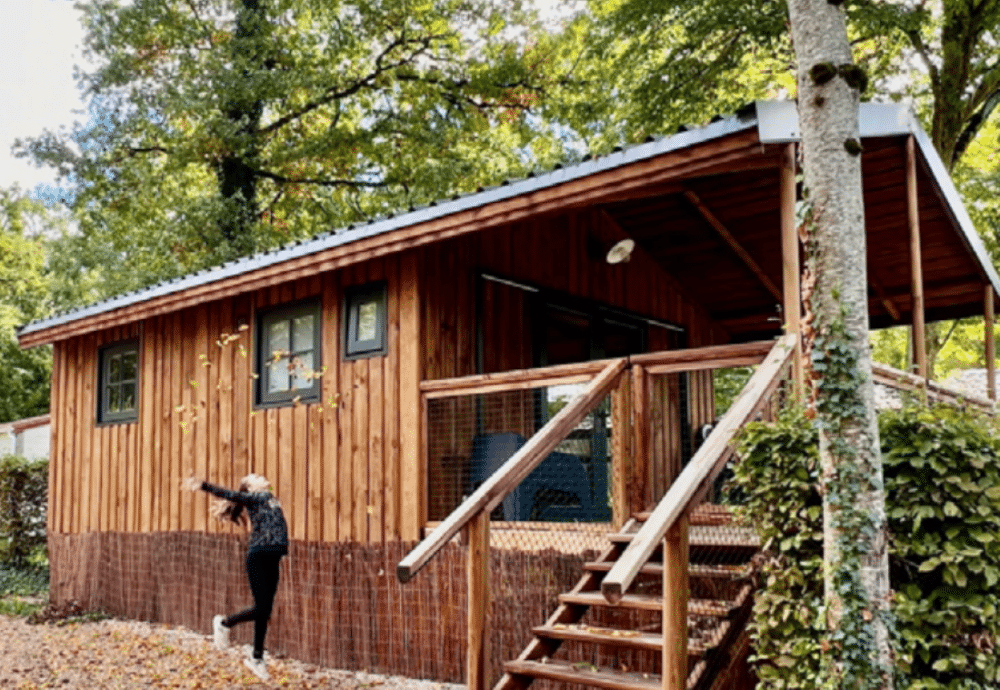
742,538
647,602
584,674
612,637
705,514
630,639
721,572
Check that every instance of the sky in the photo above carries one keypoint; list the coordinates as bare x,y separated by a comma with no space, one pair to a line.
40,42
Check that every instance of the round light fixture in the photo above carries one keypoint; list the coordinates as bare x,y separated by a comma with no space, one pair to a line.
621,252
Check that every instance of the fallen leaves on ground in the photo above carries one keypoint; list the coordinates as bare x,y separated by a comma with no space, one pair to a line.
118,654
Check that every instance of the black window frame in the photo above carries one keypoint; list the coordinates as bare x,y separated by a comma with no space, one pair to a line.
105,356
354,298
264,361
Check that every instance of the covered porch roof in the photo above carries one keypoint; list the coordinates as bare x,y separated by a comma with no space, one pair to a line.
704,204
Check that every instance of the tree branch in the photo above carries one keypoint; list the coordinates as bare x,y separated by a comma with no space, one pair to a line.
354,184
333,94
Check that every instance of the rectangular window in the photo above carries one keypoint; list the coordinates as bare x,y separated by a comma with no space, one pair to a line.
288,354
118,387
365,321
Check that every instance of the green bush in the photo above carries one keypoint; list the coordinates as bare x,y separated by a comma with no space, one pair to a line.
23,494
942,475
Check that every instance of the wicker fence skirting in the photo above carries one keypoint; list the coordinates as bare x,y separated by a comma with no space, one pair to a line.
338,605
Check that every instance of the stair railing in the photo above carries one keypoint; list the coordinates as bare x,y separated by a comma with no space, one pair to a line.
667,524
474,512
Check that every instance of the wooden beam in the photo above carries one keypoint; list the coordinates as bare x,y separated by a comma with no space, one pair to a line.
411,421
991,352
676,593
492,491
737,248
791,269
641,464
916,261
621,452
477,663
699,473
656,363
880,292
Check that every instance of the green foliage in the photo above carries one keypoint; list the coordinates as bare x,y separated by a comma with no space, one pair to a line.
24,295
943,479
778,473
222,127
23,496
942,476
727,384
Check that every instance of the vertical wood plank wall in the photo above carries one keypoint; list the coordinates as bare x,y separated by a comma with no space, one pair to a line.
345,467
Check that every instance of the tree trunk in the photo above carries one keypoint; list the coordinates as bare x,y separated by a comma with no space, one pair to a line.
237,168
855,553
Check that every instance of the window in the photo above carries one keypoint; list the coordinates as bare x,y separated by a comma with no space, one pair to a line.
288,354
117,399
365,321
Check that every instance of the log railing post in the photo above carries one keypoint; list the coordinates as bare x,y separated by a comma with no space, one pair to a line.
621,452
641,465
916,263
479,597
991,350
790,265
675,606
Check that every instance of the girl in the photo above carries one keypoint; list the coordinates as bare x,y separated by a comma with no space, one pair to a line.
268,543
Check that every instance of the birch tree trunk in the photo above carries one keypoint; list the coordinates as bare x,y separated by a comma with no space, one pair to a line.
836,339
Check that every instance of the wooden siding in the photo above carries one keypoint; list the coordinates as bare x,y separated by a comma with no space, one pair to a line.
335,463
348,467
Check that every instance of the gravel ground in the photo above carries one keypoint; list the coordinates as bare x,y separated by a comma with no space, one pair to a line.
118,654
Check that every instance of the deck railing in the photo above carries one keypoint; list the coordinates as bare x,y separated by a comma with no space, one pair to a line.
933,391
667,525
601,378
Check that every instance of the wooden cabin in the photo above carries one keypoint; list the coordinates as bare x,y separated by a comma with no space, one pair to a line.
393,379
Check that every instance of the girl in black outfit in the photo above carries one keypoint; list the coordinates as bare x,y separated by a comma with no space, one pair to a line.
268,543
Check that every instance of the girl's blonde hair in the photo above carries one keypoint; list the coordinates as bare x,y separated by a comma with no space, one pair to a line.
232,511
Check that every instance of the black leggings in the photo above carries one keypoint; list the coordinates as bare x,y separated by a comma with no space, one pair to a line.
262,570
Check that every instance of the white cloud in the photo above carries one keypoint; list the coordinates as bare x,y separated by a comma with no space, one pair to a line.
40,42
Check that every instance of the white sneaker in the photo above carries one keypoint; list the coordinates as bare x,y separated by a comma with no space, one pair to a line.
258,668
220,633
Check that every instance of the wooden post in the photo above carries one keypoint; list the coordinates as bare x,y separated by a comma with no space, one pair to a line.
621,452
916,262
991,351
641,466
675,606
790,265
478,581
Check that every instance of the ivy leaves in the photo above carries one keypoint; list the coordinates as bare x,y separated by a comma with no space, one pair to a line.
942,477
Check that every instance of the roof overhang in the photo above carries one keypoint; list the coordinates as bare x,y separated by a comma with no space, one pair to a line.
712,162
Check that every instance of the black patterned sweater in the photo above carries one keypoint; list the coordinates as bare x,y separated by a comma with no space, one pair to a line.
270,531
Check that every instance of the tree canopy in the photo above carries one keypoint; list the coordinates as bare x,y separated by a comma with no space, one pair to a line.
24,295
222,127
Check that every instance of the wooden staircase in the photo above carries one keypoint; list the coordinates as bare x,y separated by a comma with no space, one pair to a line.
721,596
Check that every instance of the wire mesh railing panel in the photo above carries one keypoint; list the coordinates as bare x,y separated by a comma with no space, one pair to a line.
564,504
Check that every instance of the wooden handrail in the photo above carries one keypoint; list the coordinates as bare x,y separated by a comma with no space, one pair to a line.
493,491
518,379
904,380
690,359
700,472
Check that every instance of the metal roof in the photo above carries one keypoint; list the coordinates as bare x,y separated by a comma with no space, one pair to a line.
775,121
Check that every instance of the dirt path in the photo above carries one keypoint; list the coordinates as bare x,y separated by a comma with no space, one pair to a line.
125,654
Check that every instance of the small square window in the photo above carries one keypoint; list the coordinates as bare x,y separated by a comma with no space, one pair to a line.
365,321
288,359
118,383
